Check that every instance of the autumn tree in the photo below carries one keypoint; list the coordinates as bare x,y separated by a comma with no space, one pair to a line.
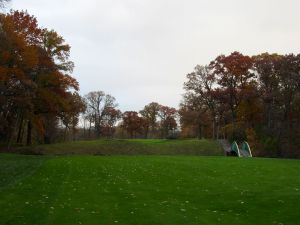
289,79
110,119
150,114
194,115
133,123
266,67
70,117
233,73
18,59
200,87
278,76
35,80
167,122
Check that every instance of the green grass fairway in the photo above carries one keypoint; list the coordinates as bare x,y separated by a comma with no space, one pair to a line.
131,147
138,190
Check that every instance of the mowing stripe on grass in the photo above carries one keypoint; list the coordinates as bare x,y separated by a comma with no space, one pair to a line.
154,190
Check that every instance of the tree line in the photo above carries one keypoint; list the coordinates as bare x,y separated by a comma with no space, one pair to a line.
240,97
102,118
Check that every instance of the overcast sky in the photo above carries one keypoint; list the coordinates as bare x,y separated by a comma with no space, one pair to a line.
141,50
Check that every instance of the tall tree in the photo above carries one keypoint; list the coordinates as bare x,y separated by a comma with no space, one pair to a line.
266,67
200,89
133,123
102,108
70,117
35,81
233,73
110,119
167,117
194,114
150,114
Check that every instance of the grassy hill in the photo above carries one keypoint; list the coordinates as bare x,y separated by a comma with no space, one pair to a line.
131,147
148,190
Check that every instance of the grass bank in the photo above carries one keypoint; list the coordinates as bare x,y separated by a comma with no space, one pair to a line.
131,147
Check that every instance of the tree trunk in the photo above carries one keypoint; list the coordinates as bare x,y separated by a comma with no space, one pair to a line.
213,128
90,127
29,130
218,128
199,131
65,133
147,132
84,121
20,131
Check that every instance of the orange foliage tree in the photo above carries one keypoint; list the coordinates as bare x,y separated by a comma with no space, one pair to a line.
35,80
133,123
